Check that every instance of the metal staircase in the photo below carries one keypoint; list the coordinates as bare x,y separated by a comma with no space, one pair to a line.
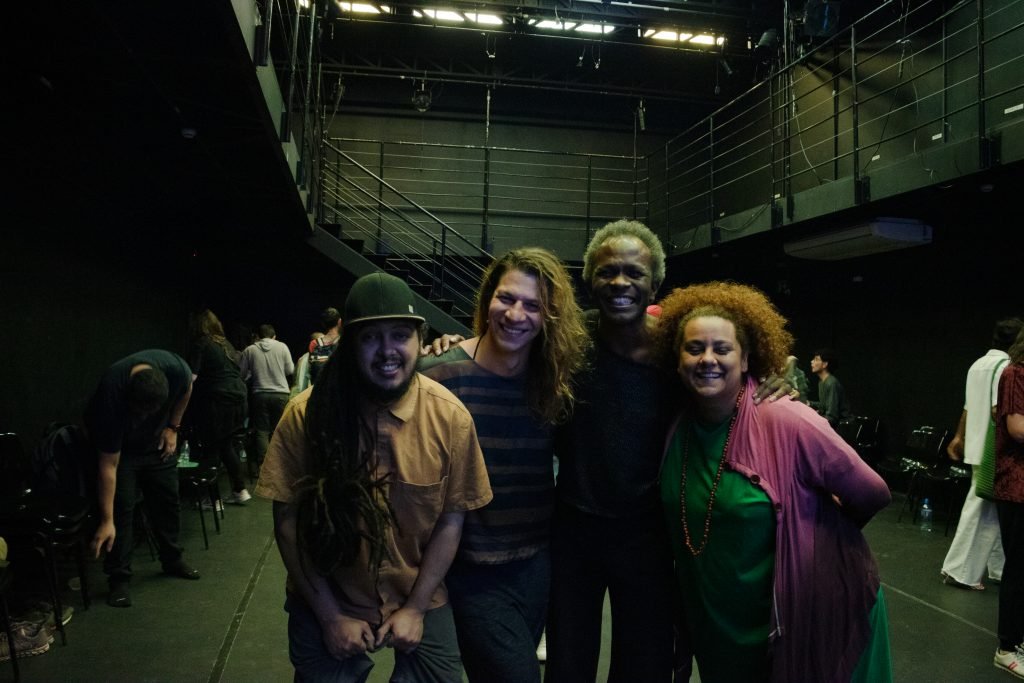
391,232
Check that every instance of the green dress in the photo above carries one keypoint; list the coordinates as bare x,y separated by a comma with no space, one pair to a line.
726,589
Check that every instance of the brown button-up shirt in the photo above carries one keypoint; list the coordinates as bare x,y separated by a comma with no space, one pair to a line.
426,441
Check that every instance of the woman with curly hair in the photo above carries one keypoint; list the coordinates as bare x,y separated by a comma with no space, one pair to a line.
765,506
515,377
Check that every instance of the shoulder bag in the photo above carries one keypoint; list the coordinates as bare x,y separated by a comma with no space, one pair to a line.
985,473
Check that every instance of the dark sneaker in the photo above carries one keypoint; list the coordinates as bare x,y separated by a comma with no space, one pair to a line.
42,611
182,570
119,595
27,642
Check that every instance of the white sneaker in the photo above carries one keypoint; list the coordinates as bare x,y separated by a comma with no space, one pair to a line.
207,505
1011,661
542,649
239,497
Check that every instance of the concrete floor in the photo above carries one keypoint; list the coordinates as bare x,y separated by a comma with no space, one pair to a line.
230,626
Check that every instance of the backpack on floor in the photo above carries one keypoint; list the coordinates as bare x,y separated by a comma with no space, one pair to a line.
64,461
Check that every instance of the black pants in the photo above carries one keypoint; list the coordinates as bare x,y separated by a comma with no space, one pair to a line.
265,409
157,481
499,617
1011,590
631,559
221,450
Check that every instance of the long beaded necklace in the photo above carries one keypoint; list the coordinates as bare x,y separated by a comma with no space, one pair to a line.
714,487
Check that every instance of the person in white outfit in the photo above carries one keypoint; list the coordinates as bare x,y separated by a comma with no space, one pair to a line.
977,546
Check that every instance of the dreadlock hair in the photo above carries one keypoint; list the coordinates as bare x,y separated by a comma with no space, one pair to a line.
559,352
343,504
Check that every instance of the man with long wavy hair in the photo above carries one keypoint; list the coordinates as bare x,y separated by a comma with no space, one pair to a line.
516,378
372,471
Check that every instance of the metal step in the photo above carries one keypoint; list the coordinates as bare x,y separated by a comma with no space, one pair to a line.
444,304
356,244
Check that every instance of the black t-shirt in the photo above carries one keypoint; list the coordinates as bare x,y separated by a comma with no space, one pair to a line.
111,425
217,375
609,453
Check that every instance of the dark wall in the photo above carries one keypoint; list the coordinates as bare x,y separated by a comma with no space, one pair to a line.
285,284
69,309
74,301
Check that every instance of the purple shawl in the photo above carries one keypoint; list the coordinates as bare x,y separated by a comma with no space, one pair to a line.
825,580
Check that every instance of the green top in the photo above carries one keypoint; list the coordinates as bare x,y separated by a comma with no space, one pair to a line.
726,589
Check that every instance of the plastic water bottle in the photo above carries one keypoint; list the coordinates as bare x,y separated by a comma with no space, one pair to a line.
183,455
926,515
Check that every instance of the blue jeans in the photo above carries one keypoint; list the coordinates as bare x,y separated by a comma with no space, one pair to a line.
436,660
499,617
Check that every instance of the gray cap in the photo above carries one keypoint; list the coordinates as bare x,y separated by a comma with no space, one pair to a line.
380,296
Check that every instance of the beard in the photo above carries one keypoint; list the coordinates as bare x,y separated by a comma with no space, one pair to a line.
381,395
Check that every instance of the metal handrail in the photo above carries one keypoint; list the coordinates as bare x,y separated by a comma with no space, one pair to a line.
449,262
842,108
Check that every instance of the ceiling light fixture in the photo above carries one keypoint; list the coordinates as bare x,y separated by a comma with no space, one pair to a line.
486,19
673,36
421,99
358,8
595,28
444,15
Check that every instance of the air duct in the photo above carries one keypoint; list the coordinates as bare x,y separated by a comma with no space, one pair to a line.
879,235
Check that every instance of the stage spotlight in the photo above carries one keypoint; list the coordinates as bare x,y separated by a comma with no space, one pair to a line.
421,98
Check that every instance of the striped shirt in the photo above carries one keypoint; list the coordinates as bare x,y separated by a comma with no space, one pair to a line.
518,451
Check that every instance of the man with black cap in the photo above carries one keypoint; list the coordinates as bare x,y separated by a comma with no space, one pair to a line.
372,471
